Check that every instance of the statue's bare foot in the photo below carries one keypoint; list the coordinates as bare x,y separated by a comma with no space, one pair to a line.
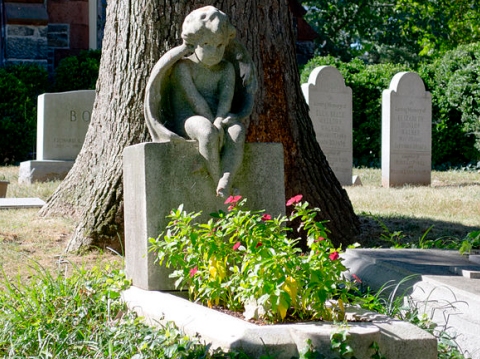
223,187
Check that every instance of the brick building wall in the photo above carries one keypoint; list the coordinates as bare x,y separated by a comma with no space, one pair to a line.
45,31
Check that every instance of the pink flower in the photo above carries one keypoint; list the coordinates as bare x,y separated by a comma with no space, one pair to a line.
266,217
193,271
236,245
233,199
334,256
319,239
356,279
294,199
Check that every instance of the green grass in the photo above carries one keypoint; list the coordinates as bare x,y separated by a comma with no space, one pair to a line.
68,306
81,315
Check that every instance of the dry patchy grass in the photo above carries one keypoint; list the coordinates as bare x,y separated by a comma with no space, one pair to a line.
451,204
26,238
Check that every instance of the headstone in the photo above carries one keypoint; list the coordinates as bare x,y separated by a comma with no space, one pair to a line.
62,123
406,132
330,103
20,203
159,176
356,181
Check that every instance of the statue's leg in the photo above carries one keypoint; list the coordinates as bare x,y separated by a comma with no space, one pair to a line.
232,156
201,129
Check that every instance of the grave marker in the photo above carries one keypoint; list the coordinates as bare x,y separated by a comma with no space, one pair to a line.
330,103
406,132
62,123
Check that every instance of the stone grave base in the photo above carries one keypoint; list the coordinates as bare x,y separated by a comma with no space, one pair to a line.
442,284
43,171
21,203
396,339
158,177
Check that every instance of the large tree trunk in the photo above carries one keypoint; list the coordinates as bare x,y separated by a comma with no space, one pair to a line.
137,33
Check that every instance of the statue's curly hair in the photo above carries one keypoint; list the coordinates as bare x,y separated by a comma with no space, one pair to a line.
204,21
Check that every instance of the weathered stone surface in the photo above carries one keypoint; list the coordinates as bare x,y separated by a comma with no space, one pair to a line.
62,122
406,132
43,171
160,176
428,277
330,103
58,40
18,203
31,47
397,340
59,35
207,95
20,30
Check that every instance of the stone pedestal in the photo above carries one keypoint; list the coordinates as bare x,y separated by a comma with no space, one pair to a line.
158,177
43,171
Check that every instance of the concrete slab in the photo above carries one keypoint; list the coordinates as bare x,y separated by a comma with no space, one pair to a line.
17,203
440,283
43,171
397,340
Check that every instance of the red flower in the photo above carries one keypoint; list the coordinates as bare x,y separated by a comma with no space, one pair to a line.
319,239
233,199
356,279
258,244
334,256
266,217
193,271
294,199
236,245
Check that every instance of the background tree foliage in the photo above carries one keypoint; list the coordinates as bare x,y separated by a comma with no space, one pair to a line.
400,31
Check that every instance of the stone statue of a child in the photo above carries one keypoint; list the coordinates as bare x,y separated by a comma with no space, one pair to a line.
204,96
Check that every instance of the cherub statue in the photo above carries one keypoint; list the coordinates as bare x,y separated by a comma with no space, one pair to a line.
203,90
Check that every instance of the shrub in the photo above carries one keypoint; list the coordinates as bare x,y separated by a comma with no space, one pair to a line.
78,72
245,259
20,85
454,81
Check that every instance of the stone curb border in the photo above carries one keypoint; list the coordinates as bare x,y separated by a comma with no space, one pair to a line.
396,339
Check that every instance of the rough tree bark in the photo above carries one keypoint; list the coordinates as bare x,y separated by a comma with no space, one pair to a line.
137,33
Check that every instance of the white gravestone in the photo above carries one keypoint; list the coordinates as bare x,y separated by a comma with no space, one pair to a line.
406,132
62,123
330,103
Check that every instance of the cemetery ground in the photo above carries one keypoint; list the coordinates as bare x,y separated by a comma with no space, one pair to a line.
410,216
444,212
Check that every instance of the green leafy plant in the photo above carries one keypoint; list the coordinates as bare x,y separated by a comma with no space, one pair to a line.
81,315
244,259
470,242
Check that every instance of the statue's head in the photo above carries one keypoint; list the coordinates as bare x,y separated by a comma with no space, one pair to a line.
206,23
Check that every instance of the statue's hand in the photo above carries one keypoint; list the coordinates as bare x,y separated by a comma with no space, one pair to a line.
230,119
218,123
